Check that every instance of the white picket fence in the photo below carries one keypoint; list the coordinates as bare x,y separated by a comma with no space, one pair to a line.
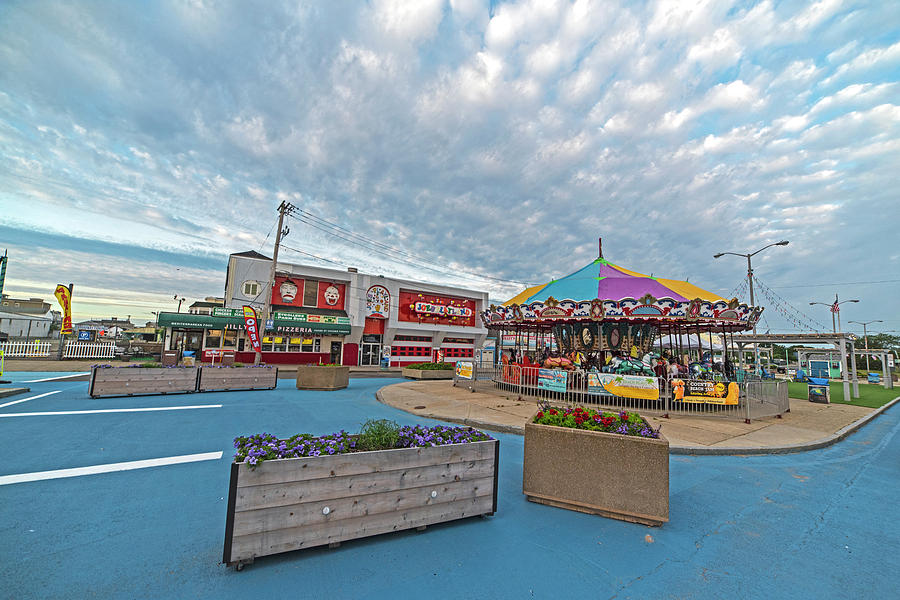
90,350
25,349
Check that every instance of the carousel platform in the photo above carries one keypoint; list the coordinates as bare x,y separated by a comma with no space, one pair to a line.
807,426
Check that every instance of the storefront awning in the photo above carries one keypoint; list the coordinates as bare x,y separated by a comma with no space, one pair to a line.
293,322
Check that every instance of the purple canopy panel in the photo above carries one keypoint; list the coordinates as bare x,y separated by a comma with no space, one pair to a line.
616,288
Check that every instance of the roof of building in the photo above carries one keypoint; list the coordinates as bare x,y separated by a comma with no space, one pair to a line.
8,314
203,304
251,254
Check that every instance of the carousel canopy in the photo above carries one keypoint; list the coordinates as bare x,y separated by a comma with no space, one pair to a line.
604,280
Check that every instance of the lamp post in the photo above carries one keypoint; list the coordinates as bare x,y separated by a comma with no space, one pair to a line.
180,300
750,280
835,310
866,336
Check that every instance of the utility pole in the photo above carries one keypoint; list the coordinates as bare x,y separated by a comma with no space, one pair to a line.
866,336
283,208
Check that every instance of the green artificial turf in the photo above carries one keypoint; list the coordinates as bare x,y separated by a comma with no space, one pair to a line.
870,395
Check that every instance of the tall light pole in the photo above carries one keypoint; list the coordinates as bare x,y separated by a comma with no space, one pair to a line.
180,300
835,311
866,336
750,280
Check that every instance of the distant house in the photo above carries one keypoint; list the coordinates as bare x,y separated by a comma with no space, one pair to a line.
205,307
30,306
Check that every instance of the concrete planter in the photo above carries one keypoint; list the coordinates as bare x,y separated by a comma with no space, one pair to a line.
617,476
315,377
295,503
428,374
132,381
220,379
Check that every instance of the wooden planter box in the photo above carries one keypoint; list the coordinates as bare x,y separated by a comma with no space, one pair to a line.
219,379
294,503
428,374
314,377
617,476
131,381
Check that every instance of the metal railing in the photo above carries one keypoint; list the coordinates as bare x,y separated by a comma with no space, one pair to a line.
25,349
90,350
738,400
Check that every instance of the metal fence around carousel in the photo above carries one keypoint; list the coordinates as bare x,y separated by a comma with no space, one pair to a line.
755,399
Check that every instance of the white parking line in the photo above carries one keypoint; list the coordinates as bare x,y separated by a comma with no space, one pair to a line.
56,378
108,468
27,399
106,410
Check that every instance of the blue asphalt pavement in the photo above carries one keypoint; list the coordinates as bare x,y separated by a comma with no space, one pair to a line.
821,524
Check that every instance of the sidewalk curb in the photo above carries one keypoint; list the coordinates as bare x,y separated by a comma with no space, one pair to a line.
834,438
689,450
513,429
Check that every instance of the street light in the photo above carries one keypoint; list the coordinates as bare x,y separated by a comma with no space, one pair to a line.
180,300
835,310
866,336
750,279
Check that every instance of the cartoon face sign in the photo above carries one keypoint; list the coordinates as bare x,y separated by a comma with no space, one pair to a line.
288,290
332,295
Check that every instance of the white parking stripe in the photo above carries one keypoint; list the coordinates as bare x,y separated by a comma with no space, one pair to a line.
56,378
27,399
108,468
106,410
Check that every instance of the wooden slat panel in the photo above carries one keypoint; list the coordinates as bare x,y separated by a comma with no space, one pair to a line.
283,494
296,469
283,540
237,378
310,513
126,380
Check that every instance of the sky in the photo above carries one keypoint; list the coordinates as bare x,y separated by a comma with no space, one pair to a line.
486,145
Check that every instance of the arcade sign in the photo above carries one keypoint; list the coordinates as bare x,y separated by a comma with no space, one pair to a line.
442,310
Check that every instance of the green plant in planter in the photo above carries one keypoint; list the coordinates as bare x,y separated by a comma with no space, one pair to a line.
378,434
441,366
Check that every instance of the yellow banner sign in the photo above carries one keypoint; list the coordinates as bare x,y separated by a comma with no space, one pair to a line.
64,297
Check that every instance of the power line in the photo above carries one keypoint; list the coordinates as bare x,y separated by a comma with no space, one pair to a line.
368,243
809,285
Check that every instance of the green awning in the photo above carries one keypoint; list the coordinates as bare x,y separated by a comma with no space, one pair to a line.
284,322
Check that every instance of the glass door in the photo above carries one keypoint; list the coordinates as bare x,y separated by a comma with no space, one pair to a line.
371,355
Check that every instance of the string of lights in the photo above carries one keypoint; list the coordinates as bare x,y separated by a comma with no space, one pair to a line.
784,308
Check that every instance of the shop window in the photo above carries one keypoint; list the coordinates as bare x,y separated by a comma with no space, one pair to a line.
458,352
416,351
230,338
296,345
311,293
458,340
412,338
213,338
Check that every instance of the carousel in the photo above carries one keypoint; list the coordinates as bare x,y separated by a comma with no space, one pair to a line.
623,333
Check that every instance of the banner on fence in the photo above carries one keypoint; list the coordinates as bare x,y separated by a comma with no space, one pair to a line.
252,328
625,386
695,391
64,297
552,380
463,370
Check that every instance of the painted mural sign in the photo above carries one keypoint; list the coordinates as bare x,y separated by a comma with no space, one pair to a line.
552,380
625,386
378,302
695,391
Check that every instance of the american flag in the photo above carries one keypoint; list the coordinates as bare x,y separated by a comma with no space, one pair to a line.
834,307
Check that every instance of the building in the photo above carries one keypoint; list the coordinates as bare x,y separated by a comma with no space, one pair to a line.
31,306
97,329
206,306
331,316
25,326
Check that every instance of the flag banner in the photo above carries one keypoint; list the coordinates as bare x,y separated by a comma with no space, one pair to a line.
251,325
64,297
3,260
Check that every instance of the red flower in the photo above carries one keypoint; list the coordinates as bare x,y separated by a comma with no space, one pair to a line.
540,415
553,411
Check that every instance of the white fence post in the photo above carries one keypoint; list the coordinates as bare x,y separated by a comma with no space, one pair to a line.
25,349
90,350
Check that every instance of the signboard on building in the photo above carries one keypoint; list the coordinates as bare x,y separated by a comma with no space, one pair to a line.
625,386
378,302
552,380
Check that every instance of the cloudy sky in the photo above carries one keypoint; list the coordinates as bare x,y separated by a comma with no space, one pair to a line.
144,142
